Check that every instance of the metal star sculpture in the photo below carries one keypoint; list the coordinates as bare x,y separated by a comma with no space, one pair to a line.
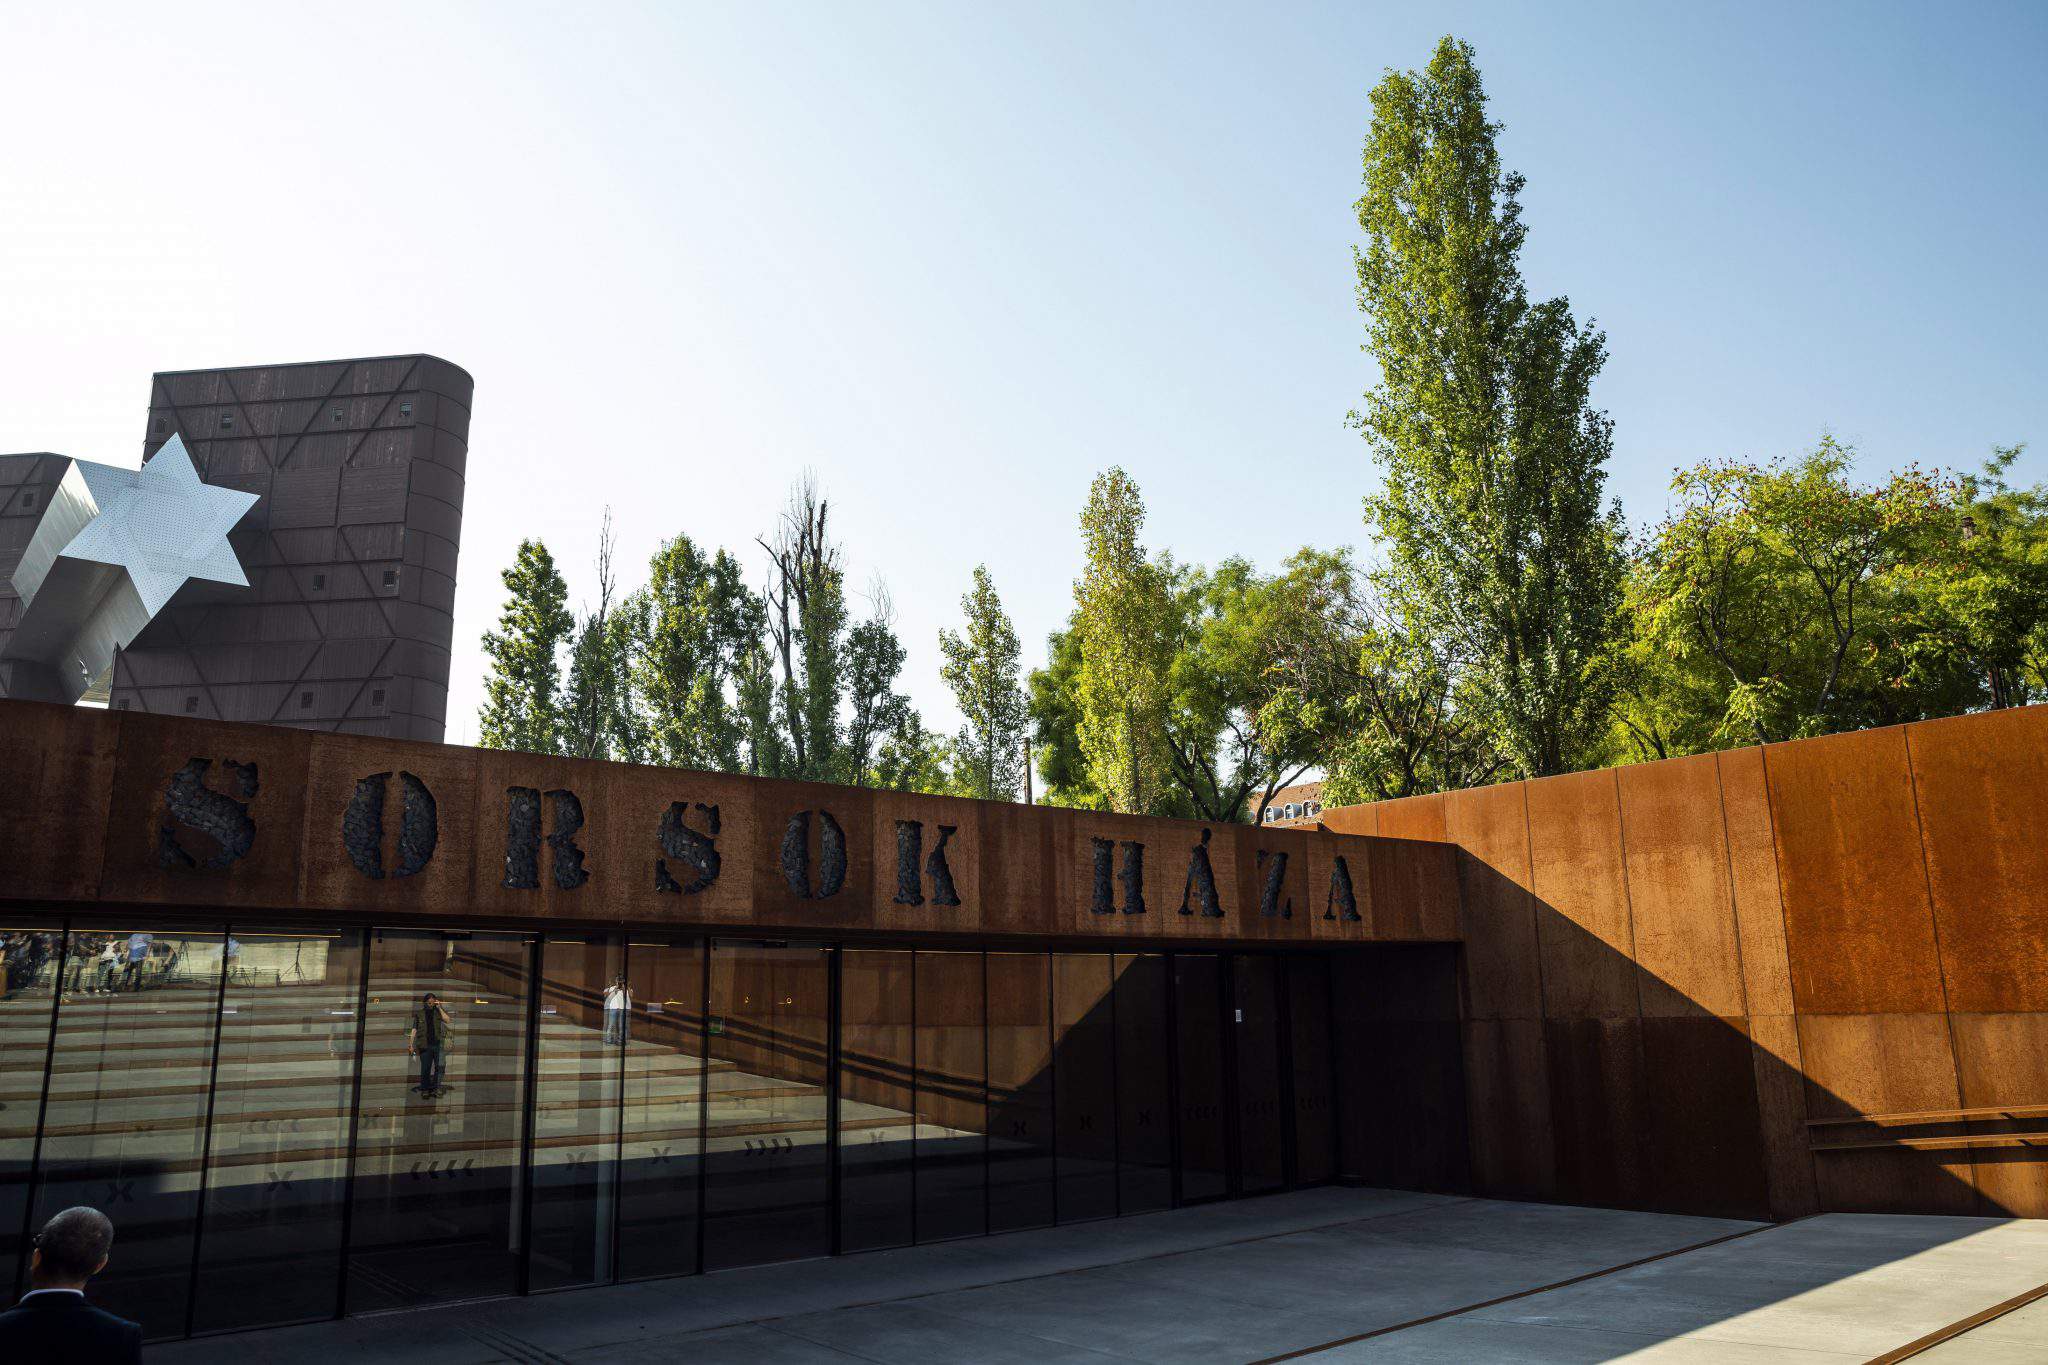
112,549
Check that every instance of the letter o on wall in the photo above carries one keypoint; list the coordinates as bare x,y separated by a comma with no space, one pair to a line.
362,826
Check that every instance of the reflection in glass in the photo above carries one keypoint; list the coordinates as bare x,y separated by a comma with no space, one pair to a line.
276,1169
1144,1097
664,1099
1308,1019
952,1115
125,1125
31,960
877,1124
1261,1148
1020,1118
1084,1071
1204,1147
582,1026
437,1169
767,1193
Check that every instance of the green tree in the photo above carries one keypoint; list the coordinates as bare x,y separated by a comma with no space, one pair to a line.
1493,458
690,626
1055,707
520,709
1365,688
1232,742
1976,617
912,759
875,711
981,666
1784,600
818,700
763,752
599,718
1123,617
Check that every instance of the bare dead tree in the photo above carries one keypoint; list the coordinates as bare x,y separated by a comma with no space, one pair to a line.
806,612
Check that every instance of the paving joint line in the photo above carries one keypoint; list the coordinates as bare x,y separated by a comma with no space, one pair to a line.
1521,1294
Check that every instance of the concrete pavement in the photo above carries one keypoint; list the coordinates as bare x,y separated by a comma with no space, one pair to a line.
1258,1278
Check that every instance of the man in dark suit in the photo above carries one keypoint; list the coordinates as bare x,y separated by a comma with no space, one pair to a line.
53,1321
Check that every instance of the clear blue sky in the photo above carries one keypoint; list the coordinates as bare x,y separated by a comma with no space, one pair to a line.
956,259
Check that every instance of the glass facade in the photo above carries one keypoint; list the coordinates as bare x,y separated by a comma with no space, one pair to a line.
288,1124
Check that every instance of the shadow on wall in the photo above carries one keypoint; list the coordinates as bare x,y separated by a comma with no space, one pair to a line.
1767,982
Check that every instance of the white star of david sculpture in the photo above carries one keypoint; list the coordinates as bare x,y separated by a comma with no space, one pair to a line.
112,548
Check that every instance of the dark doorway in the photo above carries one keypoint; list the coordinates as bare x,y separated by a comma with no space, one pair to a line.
1260,1066
1201,1082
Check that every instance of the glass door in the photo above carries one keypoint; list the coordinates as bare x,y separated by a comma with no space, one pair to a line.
767,1147
441,1119
1258,1063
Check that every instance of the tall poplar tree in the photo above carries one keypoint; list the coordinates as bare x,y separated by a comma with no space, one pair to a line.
521,709
690,625
1492,511
1123,618
981,666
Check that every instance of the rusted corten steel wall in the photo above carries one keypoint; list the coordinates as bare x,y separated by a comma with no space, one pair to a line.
351,553
1804,976
124,809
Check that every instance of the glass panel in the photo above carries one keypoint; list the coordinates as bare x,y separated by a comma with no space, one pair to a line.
1020,1118
952,1116
125,1125
1261,1148
1144,1095
582,1024
437,1142
31,959
767,1178
277,1168
1084,1098
664,1109
1308,1021
877,1100
1204,1148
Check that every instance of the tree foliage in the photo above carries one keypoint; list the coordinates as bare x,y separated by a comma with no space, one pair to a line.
1123,618
981,667
694,669
690,625
521,707
1491,512
1783,600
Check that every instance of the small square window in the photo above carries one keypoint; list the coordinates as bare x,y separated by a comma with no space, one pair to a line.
191,706
391,578
319,581
28,502
227,421
377,697
305,701
337,417
405,409
163,426
121,705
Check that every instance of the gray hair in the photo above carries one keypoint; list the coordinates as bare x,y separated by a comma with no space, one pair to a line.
75,1242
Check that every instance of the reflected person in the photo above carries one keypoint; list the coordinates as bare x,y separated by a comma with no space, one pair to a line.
618,1006
53,1321
427,1039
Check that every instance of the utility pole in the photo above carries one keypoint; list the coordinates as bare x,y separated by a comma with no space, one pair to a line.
1027,771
